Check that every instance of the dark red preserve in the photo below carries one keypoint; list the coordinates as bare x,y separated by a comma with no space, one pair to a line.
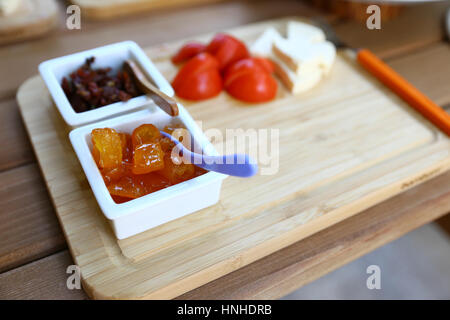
89,88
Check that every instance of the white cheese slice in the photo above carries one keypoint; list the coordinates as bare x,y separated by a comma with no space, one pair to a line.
263,45
296,83
303,31
314,62
327,52
302,54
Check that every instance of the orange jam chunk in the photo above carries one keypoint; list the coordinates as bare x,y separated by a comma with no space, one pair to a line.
127,147
114,174
165,143
176,172
107,147
147,158
172,128
135,186
144,134
127,187
135,165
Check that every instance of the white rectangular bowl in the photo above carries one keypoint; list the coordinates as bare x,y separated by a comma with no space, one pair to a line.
162,206
113,56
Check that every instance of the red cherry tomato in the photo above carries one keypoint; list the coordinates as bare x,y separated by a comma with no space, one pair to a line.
240,68
248,80
199,63
265,63
253,87
227,50
188,51
201,86
248,65
198,79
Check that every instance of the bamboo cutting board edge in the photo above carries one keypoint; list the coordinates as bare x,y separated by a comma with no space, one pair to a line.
97,285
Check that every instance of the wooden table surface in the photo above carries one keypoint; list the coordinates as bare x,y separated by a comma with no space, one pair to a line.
33,252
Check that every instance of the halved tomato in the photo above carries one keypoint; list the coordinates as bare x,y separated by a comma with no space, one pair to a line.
267,64
188,51
249,80
253,87
227,49
199,78
201,62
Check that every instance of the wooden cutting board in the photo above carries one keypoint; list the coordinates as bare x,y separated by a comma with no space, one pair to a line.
344,146
108,9
32,19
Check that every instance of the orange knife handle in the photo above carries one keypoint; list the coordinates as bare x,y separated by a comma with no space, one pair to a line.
405,90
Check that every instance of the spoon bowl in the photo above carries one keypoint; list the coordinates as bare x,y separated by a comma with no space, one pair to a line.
237,165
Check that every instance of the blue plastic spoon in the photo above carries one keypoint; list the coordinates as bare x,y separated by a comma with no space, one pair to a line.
238,165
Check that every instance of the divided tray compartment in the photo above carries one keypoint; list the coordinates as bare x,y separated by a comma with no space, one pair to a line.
137,215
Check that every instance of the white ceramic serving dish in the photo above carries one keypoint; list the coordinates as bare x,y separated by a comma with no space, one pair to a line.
53,71
157,208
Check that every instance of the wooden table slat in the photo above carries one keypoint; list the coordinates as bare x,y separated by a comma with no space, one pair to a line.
417,26
16,148
28,226
42,279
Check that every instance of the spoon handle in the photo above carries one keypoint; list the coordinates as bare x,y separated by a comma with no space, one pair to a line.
162,100
238,165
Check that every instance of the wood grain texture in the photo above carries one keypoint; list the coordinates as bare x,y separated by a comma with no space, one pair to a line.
16,148
281,272
390,153
301,263
428,70
109,9
32,19
44,279
29,230
417,26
